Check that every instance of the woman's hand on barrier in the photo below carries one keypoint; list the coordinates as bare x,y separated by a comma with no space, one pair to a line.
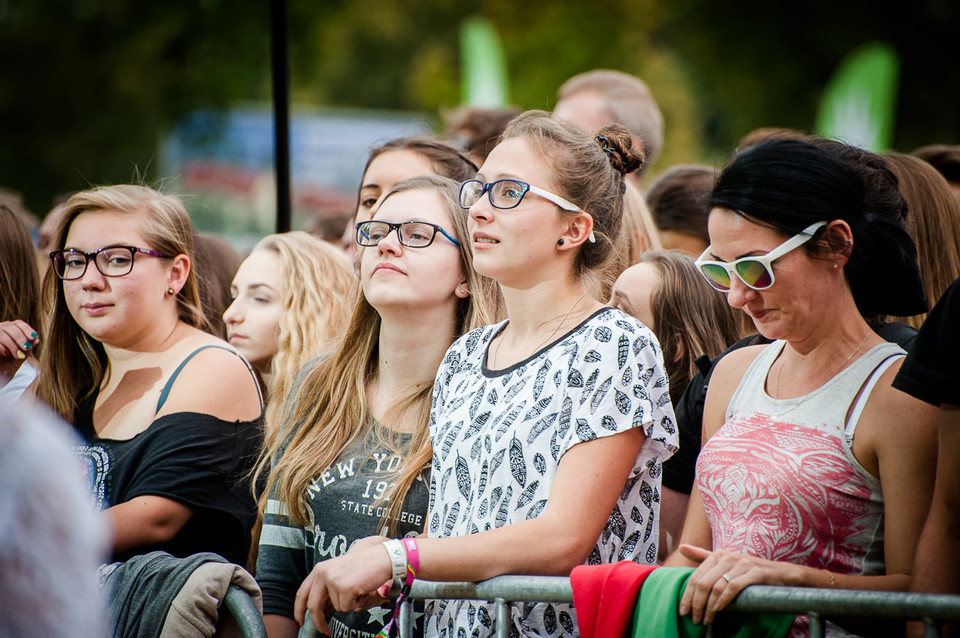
17,339
722,575
346,583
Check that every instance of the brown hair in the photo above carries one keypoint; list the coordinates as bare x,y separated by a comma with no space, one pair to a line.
638,235
630,103
215,264
679,197
19,277
329,410
943,157
447,161
690,318
588,171
475,130
74,364
933,221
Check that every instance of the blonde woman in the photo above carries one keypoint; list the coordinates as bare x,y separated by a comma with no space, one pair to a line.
353,446
290,303
170,415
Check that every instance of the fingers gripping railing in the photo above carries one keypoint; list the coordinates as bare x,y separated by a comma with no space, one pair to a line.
817,604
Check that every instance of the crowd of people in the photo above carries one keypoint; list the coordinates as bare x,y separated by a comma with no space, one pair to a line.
523,355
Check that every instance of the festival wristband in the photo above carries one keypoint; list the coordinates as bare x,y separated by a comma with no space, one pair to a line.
398,558
413,559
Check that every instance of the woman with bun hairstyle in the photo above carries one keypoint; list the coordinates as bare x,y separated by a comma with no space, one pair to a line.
814,472
549,428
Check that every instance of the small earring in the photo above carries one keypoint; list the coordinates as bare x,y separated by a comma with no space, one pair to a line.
463,291
835,266
560,242
171,291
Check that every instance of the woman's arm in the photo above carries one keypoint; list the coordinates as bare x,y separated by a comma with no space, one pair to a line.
144,521
278,626
589,479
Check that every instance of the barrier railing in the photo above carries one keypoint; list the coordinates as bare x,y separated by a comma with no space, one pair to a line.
818,604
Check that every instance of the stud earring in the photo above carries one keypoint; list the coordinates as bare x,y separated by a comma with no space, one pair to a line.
560,242
171,291
835,266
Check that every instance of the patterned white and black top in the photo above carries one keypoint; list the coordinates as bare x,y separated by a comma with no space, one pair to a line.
498,437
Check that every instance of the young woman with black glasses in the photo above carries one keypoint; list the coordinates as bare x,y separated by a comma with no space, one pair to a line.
352,452
170,415
548,429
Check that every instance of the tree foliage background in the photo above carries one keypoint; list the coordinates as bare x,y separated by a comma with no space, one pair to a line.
88,88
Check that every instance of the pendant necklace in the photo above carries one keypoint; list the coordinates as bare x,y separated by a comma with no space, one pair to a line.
796,405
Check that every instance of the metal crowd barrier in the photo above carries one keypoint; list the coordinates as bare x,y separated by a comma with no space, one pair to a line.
817,604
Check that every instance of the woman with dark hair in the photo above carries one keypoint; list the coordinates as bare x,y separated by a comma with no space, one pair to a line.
396,160
814,471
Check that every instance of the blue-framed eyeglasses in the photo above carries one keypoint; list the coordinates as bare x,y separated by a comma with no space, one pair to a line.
410,234
508,193
112,261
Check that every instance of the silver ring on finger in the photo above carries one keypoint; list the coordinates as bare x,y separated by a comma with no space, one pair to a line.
725,577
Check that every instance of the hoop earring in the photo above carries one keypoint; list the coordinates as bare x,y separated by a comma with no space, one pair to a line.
560,242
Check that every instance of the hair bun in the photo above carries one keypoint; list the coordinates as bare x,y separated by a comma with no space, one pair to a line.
618,145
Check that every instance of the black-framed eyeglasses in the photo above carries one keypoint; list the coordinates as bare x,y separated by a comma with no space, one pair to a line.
508,193
411,234
112,261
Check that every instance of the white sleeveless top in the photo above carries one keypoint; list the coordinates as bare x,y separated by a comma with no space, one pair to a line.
779,480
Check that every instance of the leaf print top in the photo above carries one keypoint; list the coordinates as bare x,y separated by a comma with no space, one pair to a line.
498,437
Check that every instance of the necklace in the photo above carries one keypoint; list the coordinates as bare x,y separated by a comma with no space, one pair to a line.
496,353
796,405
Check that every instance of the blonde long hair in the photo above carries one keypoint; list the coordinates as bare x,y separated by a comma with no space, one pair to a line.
318,286
73,364
329,411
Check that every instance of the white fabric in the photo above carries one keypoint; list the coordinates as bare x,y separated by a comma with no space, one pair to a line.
11,391
498,437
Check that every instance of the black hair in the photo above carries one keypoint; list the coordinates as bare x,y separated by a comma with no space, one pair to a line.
790,184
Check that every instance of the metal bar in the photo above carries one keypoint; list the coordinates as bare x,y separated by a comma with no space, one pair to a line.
503,618
757,598
817,627
280,64
406,619
930,628
242,608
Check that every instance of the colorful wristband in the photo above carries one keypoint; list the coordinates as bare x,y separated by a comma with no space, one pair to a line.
398,558
413,559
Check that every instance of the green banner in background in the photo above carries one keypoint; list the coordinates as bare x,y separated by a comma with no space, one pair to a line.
859,103
483,64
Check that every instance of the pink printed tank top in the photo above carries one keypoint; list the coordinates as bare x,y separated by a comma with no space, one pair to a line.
788,487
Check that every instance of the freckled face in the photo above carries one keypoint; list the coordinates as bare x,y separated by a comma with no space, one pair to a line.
253,318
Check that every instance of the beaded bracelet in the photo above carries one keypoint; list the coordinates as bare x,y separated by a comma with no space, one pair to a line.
412,564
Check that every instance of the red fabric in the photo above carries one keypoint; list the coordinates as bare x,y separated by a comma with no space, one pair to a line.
605,596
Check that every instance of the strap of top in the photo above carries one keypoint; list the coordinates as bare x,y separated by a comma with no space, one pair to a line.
865,394
173,377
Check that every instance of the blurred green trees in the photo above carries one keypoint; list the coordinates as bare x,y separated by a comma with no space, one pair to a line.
89,87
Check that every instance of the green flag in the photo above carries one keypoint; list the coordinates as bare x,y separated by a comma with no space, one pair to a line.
859,103
483,64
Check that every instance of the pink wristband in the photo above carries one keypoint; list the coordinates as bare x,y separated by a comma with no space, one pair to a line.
413,559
